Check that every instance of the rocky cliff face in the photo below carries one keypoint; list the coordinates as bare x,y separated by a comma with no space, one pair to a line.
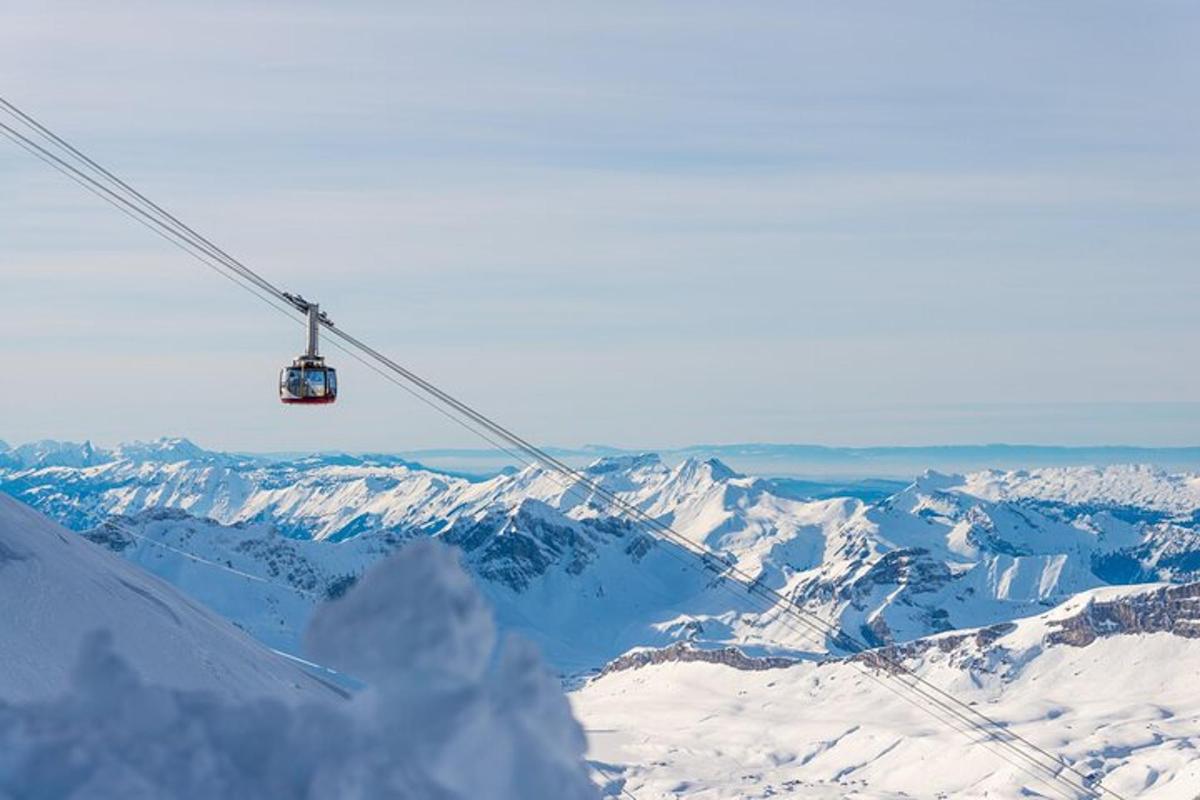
1170,609
1005,648
682,652
1001,650
516,547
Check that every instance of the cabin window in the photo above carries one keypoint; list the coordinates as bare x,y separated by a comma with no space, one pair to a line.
293,385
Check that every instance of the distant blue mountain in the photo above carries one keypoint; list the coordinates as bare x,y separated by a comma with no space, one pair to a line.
841,466
818,462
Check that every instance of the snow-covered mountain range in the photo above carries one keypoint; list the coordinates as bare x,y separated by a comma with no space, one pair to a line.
946,552
996,584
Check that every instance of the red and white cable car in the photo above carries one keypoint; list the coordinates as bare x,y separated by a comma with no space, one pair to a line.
309,381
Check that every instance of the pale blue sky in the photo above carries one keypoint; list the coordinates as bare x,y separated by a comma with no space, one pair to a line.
629,223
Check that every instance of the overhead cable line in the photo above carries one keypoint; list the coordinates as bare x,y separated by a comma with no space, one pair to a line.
117,192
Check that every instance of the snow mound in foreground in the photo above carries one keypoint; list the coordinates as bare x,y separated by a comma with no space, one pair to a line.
451,713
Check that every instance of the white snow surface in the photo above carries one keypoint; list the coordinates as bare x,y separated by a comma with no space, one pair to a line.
1134,485
1123,710
56,589
450,710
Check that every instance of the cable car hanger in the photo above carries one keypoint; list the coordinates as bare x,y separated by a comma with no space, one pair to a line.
308,381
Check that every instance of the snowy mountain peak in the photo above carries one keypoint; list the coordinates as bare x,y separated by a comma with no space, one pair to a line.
640,461
710,469
50,453
166,450
933,481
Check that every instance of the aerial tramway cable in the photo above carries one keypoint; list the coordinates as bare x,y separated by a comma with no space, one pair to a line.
134,204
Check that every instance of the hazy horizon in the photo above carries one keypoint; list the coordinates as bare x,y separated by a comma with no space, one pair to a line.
14,441
792,460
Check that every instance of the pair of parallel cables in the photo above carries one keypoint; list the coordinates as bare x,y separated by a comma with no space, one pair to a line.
878,665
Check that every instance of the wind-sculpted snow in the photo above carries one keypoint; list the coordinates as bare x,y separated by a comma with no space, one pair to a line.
447,713
418,612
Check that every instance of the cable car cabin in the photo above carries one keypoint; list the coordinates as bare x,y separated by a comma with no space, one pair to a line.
308,380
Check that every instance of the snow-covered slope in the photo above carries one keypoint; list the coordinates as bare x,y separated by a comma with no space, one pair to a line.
56,589
585,591
449,710
1106,681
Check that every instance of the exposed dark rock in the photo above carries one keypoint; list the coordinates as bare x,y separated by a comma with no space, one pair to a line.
281,561
339,586
639,546
876,632
515,548
1172,609
684,652
887,658
911,567
110,537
